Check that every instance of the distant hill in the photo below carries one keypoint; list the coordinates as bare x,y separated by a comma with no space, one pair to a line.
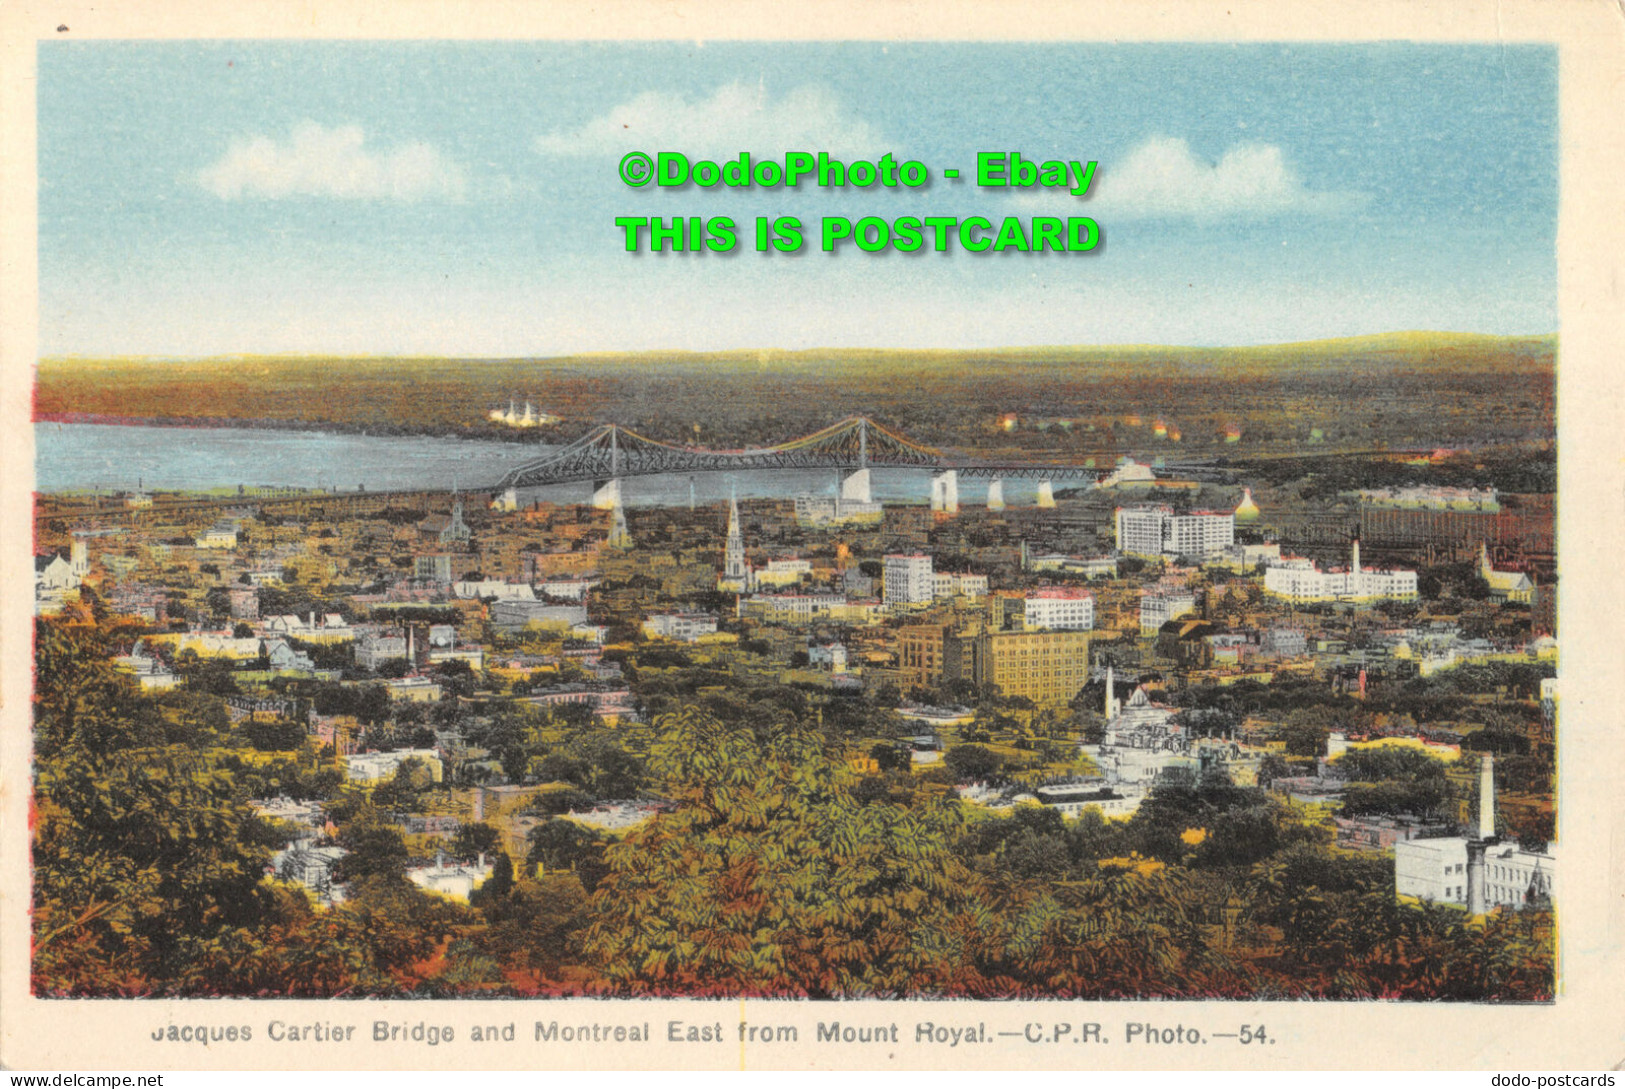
1401,388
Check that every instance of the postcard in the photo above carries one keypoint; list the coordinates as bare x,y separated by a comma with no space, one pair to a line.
725,539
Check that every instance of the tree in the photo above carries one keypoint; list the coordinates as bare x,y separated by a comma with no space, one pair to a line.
143,860
973,762
376,850
498,885
473,840
771,879
278,735
890,756
1305,738
559,845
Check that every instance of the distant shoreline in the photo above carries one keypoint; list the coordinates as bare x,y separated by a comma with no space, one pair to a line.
244,423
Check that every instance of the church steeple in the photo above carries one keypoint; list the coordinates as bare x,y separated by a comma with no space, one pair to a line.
619,535
733,559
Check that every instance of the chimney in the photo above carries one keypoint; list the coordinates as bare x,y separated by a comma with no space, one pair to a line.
1111,708
1354,557
1486,798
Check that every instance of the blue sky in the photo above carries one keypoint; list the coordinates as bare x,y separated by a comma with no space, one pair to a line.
203,198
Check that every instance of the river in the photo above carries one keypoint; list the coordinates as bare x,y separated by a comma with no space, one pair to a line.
81,457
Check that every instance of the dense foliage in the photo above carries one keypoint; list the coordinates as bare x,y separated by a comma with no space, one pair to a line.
778,868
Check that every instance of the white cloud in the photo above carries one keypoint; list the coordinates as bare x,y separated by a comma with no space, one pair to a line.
317,161
734,119
1164,179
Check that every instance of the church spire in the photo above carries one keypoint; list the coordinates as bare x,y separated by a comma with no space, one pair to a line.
733,559
619,535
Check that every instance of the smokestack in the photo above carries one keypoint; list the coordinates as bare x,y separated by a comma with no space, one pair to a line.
1111,709
1354,558
1486,798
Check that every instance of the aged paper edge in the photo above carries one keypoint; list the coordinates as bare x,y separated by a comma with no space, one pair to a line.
1581,1030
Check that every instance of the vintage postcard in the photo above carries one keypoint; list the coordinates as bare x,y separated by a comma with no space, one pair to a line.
688,539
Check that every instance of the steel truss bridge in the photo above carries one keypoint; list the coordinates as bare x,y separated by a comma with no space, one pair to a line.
610,452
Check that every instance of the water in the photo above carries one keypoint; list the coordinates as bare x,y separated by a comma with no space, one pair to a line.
106,457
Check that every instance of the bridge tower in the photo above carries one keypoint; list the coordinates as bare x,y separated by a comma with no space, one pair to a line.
856,486
607,493
995,494
945,492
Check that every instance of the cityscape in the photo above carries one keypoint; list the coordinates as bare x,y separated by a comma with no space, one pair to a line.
1192,716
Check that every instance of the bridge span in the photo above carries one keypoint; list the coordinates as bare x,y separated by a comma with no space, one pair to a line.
609,453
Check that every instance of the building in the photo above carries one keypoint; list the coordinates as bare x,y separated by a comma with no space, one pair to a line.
1433,497
511,616
1059,609
450,531
413,689
304,863
1142,530
931,655
1047,667
312,628
1514,586
450,878
950,584
736,575
1088,566
212,644
245,602
54,572
370,767
1128,474
1162,604
808,607
1202,534
1155,530
285,659
219,535
681,627
444,566
1283,643
566,589
147,671
782,572
1248,557
375,650
1302,582
1479,871
830,656
818,510
494,590
908,579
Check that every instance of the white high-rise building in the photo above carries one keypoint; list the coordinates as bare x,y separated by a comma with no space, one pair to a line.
1201,533
1142,530
1155,530
1059,609
909,579
1158,606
